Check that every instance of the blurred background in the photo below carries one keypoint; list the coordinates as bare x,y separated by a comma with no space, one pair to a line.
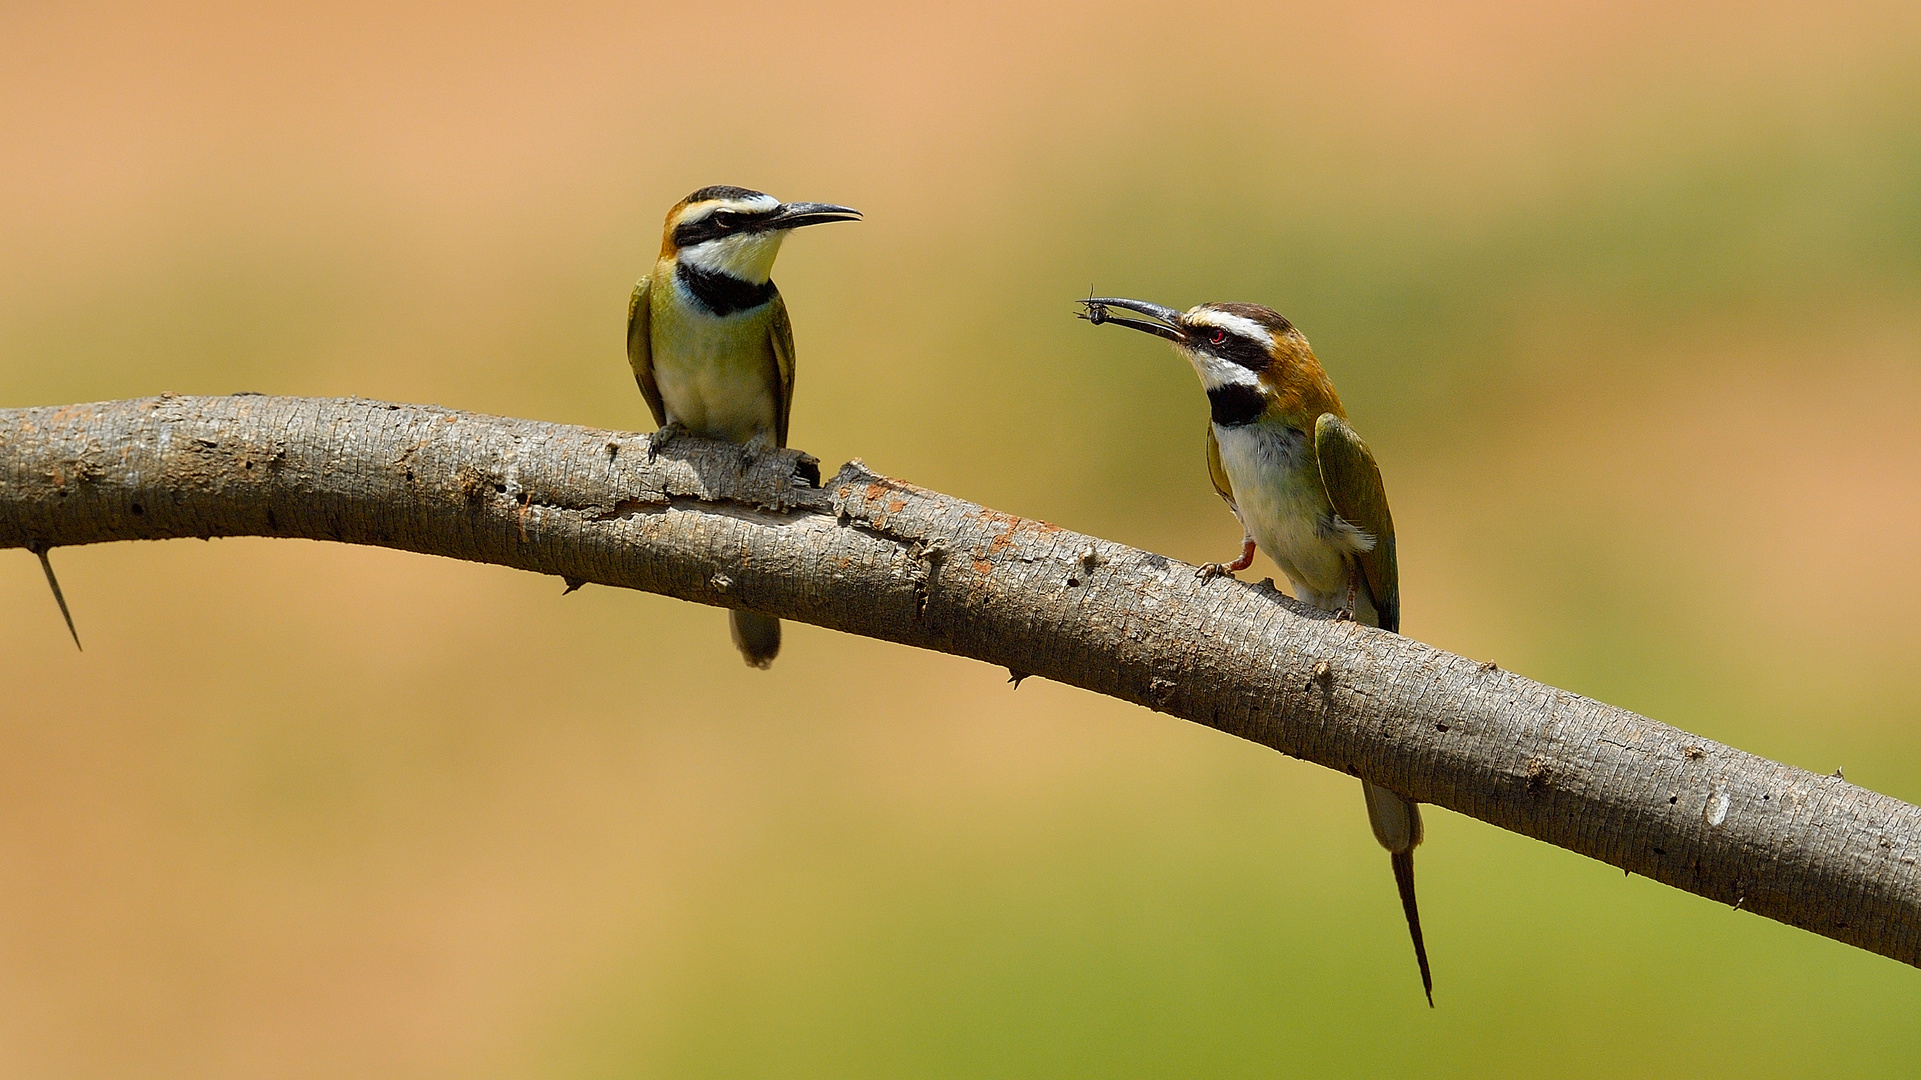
1627,299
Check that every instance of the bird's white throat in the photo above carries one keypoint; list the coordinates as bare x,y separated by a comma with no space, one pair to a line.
747,257
1216,371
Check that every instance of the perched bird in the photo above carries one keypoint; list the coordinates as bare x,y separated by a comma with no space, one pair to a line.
709,340
1306,491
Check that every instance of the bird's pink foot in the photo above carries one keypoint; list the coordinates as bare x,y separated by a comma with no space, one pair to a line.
1207,571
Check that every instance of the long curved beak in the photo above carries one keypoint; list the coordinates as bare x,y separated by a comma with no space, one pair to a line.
793,215
1168,327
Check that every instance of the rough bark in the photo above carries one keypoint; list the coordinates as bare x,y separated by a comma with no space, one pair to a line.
875,556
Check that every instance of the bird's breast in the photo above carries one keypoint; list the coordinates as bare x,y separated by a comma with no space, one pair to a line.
715,373
1281,500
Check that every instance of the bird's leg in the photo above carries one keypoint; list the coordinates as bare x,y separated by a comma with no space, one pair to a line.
1353,589
1214,569
669,431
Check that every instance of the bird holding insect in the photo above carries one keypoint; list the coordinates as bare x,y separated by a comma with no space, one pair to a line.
1305,489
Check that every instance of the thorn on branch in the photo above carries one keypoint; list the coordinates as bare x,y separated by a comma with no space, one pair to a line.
1015,677
53,583
573,583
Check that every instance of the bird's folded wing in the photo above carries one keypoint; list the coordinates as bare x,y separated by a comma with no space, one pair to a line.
640,348
780,380
1355,491
1218,473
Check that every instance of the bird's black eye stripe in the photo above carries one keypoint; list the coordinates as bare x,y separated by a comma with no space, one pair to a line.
1229,345
718,224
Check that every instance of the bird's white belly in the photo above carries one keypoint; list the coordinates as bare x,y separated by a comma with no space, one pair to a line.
1278,491
715,378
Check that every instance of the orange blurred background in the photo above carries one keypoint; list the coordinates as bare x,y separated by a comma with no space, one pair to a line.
1626,299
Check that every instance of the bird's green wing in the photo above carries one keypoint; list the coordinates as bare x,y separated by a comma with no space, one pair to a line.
1218,473
640,348
1355,491
780,379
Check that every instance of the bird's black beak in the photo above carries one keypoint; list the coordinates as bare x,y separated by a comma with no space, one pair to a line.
793,215
1169,326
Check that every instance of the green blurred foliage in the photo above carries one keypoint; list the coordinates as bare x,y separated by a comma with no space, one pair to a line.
1624,298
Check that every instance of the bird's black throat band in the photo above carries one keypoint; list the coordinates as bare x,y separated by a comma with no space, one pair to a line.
1235,404
721,293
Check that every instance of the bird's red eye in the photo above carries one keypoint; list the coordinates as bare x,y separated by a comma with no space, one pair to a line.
1218,337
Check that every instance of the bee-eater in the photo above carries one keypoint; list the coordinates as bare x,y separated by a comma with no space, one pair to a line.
709,339
1306,491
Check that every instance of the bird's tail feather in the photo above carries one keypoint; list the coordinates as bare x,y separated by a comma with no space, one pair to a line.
1403,862
757,637
1397,825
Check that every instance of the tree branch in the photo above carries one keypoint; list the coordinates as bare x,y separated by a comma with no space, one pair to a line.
878,557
